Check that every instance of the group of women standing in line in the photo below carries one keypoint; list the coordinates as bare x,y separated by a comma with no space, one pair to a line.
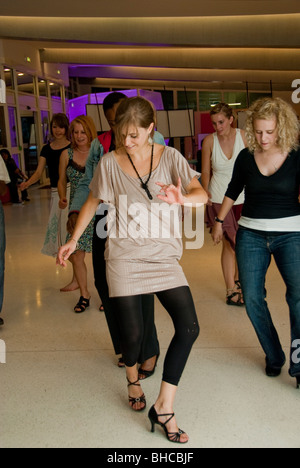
259,217
66,156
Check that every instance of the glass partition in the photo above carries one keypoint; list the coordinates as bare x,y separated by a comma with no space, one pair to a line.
42,87
13,126
187,100
45,126
8,78
208,99
25,83
236,100
3,139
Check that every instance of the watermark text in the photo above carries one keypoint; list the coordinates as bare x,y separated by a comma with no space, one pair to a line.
296,93
162,221
2,352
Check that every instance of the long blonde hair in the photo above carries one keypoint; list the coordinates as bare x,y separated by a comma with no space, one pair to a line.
287,123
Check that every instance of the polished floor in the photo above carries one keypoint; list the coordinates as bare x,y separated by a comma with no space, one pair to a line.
60,386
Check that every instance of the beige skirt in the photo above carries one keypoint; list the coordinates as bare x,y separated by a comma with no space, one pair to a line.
132,278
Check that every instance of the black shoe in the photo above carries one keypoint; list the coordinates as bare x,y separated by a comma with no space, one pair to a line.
82,305
133,401
1,322
145,373
273,371
298,381
171,436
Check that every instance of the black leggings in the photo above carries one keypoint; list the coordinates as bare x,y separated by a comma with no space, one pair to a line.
180,306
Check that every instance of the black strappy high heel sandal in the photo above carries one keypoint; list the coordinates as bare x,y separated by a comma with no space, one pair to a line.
133,401
236,291
171,436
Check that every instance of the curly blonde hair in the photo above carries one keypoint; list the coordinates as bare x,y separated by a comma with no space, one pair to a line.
287,123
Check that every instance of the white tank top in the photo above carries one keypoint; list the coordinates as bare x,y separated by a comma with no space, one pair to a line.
222,168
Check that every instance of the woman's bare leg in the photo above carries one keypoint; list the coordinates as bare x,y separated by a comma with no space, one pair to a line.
165,405
80,271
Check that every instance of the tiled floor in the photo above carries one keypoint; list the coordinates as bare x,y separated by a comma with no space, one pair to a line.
60,386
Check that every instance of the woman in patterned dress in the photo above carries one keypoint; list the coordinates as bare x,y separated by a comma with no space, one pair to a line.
72,168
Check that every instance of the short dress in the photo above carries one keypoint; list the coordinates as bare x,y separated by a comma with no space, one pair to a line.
222,169
74,175
144,246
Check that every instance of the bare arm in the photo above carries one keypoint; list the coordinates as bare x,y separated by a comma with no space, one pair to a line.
244,138
207,146
36,175
85,216
62,181
196,193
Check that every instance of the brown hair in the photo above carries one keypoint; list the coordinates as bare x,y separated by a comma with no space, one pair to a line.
62,121
222,108
88,126
136,111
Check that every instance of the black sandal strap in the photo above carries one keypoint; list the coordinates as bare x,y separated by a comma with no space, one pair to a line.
172,436
238,303
136,384
82,304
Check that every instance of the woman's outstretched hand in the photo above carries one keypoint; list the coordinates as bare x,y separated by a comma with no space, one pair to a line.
64,252
172,194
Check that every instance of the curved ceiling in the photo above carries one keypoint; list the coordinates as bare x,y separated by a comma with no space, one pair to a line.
138,8
216,44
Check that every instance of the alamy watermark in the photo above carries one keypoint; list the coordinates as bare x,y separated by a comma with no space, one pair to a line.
2,352
162,221
296,93
296,354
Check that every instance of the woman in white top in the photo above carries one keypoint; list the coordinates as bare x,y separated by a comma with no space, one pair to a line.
219,153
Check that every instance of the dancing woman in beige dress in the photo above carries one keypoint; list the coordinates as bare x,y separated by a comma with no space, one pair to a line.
143,182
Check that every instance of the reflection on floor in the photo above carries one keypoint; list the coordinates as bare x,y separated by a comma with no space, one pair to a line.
60,386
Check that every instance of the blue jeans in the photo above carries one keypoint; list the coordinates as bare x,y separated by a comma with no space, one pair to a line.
2,252
254,251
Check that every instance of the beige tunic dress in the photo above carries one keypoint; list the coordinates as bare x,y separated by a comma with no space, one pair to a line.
144,242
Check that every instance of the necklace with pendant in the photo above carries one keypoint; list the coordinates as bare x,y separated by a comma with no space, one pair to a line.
144,184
